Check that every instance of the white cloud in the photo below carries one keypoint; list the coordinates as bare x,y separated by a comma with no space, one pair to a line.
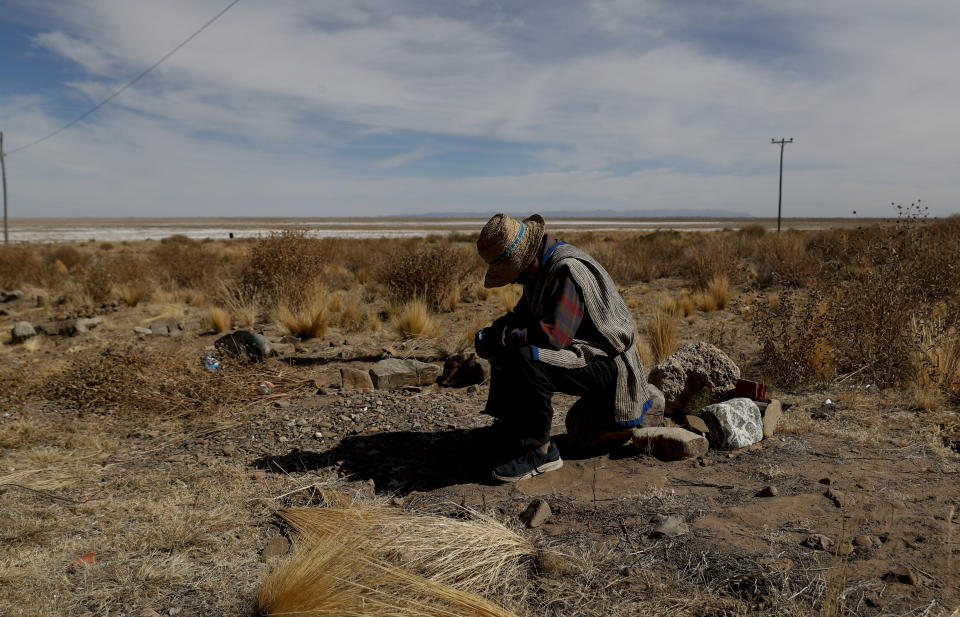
258,113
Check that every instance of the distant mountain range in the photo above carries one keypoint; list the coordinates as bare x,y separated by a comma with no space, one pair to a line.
606,214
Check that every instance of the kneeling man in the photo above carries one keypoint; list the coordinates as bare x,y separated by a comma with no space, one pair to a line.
570,332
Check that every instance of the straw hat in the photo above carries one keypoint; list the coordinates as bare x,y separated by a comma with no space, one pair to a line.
508,246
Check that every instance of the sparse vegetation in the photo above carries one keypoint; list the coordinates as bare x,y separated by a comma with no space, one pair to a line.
415,319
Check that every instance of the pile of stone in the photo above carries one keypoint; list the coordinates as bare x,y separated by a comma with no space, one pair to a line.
698,386
390,374
23,330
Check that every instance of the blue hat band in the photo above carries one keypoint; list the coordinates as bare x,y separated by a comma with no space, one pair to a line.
513,245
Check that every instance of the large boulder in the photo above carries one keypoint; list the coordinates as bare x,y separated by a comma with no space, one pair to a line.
697,372
355,379
22,330
733,424
395,373
243,343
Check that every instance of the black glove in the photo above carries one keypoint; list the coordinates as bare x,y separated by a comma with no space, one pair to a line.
488,342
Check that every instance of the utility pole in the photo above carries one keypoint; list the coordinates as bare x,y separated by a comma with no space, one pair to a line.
3,172
782,143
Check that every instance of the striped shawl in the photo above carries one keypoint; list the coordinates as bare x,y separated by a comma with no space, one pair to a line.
612,320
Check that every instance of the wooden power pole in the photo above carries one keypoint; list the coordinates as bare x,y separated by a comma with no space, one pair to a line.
3,173
782,143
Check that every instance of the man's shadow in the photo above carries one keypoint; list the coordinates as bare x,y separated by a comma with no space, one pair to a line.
403,461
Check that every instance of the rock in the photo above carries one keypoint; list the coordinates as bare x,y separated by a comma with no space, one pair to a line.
670,527
837,497
733,424
695,368
771,417
65,327
901,574
536,514
462,370
142,332
243,343
21,331
549,563
473,389
696,425
10,296
817,542
353,379
87,324
229,450
276,547
159,329
394,373
669,443
149,612
863,541
767,491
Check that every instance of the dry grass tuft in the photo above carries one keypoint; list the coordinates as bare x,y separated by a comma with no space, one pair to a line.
478,555
685,304
705,302
310,319
415,319
719,289
510,295
217,319
662,334
333,575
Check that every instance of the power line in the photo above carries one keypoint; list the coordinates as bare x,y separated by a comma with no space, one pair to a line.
129,83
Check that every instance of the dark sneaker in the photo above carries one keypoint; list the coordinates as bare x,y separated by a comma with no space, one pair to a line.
533,463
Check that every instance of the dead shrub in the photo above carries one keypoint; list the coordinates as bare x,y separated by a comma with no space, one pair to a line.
712,256
719,291
857,315
22,265
284,267
186,265
434,274
787,260
637,258
69,256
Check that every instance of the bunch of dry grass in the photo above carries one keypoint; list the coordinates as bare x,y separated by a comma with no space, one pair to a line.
334,575
415,320
307,319
217,319
476,554
662,335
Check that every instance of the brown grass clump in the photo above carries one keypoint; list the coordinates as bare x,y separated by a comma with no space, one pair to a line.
217,319
705,301
685,304
510,295
333,575
132,295
415,319
719,290
478,554
309,319
662,334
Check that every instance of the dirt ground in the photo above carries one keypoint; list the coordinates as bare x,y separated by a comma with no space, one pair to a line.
179,510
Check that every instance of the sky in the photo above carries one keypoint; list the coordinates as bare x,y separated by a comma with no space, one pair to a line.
379,107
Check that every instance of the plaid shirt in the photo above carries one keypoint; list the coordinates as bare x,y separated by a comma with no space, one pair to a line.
558,329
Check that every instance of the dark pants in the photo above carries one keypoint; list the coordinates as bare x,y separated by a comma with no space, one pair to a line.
521,391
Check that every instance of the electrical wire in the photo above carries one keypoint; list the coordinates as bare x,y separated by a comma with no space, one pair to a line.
128,84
